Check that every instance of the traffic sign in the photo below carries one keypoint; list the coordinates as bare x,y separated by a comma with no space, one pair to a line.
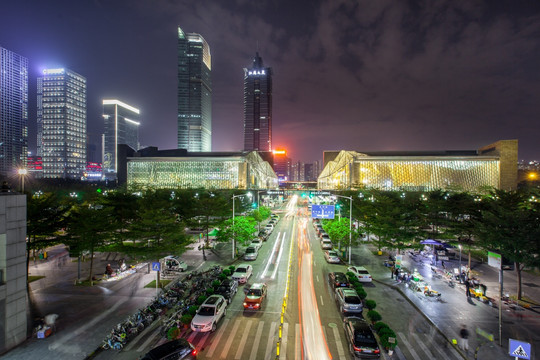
322,211
156,266
519,349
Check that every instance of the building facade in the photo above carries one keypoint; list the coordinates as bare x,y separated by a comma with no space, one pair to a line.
282,165
121,127
194,93
258,106
13,112
12,270
61,123
173,169
494,166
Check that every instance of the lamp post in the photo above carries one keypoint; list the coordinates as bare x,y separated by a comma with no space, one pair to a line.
459,263
22,173
234,234
350,223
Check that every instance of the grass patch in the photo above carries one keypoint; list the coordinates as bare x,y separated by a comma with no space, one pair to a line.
162,284
32,278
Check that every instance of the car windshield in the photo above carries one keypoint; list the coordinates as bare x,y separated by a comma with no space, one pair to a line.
241,270
250,250
207,311
332,253
364,338
254,292
352,300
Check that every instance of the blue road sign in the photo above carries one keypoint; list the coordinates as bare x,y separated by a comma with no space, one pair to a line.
519,349
322,211
156,266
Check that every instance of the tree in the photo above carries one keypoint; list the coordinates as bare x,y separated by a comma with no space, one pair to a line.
338,231
124,205
208,205
260,215
510,224
241,232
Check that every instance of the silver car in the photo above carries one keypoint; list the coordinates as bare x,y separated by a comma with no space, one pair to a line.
251,253
348,301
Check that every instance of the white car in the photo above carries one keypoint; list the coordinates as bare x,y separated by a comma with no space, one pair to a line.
361,273
209,313
251,253
242,273
326,244
269,228
256,243
332,257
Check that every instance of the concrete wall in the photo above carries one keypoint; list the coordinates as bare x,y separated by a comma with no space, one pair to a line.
13,266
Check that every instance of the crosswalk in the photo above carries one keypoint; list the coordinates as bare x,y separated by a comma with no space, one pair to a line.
425,346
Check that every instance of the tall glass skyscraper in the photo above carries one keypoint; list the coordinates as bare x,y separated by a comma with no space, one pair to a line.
194,93
61,123
13,112
121,127
258,106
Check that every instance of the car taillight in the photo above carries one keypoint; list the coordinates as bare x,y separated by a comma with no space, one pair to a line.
194,352
245,304
377,351
357,349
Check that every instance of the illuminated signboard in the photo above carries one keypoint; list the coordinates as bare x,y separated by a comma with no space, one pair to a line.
256,72
53,71
322,211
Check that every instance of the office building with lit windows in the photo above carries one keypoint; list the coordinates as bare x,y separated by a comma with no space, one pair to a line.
258,106
121,126
282,165
61,123
13,112
180,169
194,93
494,165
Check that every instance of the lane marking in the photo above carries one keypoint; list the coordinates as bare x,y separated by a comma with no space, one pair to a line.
279,256
230,339
443,355
86,326
285,334
272,255
215,341
339,344
317,278
148,341
408,346
298,350
255,347
322,302
192,336
272,334
422,345
203,341
243,341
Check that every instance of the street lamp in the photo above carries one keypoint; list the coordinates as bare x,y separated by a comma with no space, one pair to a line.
234,235
459,263
22,173
350,223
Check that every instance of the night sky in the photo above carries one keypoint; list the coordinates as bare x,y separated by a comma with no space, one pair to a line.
359,75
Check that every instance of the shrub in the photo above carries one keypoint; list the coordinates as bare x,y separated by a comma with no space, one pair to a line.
386,332
361,292
173,333
386,344
231,268
192,310
371,304
201,299
186,319
222,277
227,272
209,291
380,325
374,316
216,283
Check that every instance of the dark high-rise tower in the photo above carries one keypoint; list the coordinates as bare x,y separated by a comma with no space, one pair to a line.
13,112
194,93
258,106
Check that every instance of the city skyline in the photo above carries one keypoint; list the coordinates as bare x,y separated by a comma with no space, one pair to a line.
358,76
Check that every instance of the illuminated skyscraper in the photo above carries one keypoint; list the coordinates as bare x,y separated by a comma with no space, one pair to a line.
194,93
13,111
61,123
121,127
258,106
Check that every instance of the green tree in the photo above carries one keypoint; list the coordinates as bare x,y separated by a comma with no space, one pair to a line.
241,232
124,205
208,206
338,231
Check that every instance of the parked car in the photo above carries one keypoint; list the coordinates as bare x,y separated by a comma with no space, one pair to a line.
326,244
362,342
179,349
255,296
251,253
324,236
348,301
256,243
361,273
227,289
275,216
338,279
269,228
242,273
332,257
209,313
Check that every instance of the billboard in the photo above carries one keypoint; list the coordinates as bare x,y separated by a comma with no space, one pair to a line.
322,211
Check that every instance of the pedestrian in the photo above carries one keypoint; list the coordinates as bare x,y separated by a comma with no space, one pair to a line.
397,273
108,270
392,272
442,264
467,287
464,339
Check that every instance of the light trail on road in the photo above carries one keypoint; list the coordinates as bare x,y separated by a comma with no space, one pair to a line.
313,339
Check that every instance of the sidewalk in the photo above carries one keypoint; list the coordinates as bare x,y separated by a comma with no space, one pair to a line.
447,315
